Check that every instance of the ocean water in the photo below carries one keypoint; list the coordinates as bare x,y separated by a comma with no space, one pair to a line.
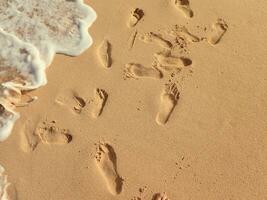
31,33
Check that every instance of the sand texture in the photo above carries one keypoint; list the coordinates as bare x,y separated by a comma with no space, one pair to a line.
169,103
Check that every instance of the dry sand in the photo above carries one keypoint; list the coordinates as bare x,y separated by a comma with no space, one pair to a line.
151,110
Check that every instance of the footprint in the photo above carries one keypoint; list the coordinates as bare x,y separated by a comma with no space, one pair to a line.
49,133
160,196
106,161
184,7
133,70
78,104
28,140
169,100
169,63
72,100
155,39
26,100
135,17
100,99
33,133
217,32
132,39
183,32
104,54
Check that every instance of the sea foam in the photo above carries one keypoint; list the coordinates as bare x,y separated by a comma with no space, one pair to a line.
31,33
4,184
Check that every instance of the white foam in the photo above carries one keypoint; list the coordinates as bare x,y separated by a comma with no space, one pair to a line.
7,121
53,26
31,33
3,185
20,69
20,61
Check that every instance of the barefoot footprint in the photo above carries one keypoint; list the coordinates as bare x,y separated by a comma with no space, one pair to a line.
104,54
169,100
160,196
29,140
155,39
99,102
217,32
184,7
169,63
135,17
106,162
26,100
49,133
183,32
133,70
71,100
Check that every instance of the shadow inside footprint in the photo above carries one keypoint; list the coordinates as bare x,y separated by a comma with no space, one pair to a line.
160,196
113,158
187,61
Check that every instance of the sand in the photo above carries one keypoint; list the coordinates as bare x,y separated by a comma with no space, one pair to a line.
169,103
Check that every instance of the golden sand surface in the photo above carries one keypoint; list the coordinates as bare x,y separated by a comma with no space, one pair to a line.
169,103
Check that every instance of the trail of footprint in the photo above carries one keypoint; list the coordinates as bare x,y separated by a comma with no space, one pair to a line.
100,99
135,17
104,54
169,63
184,7
183,32
217,32
72,100
133,70
106,162
169,100
160,196
49,133
155,39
